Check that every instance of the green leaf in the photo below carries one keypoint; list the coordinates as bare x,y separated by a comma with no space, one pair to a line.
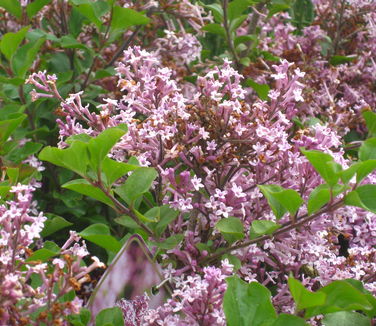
125,17
281,200
368,150
137,184
289,320
10,42
336,60
151,216
82,186
74,158
370,118
19,154
262,227
215,29
304,298
169,243
100,235
231,228
364,197
247,304
34,7
340,296
237,7
113,170
12,6
110,316
101,145
93,11
8,126
126,221
324,164
233,260
345,318
234,24
25,56
54,224
302,13
321,196
49,250
262,90
69,42
216,10
81,319
13,174
167,216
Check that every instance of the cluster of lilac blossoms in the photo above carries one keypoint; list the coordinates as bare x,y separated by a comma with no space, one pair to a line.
212,148
20,302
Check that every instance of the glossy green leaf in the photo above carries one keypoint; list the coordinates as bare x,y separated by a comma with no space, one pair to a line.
364,197
110,316
12,6
289,320
34,7
83,187
101,236
137,184
321,196
54,224
262,90
231,228
11,41
324,165
281,200
247,304
304,298
126,17
368,150
74,158
262,227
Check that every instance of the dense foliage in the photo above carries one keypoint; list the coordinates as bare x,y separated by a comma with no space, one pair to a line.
218,156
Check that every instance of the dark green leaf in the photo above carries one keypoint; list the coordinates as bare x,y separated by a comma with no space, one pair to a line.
54,224
170,243
8,126
19,154
217,11
167,216
100,235
10,42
